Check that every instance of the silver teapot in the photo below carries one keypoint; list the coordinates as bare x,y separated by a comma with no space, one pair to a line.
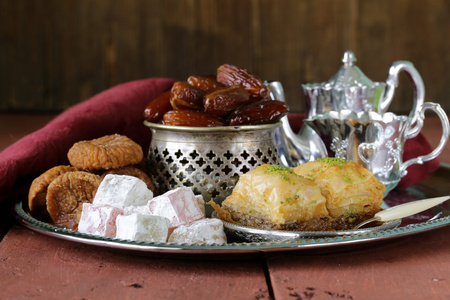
349,89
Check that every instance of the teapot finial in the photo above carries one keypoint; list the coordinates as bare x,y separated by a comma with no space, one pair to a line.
349,58
349,75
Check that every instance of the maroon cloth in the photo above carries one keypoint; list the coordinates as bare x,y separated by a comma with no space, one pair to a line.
119,110
116,110
417,173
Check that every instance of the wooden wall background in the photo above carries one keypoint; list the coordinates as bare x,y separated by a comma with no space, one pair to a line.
56,53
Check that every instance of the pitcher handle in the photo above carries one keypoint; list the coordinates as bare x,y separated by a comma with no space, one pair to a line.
392,83
412,132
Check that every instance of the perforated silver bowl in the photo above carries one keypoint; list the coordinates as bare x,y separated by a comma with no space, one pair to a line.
208,159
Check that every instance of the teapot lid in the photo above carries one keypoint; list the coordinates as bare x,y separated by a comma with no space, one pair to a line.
349,75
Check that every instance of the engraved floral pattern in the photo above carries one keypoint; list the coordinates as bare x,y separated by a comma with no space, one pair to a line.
339,147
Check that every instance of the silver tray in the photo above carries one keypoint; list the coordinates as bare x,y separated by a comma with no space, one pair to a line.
249,234
315,243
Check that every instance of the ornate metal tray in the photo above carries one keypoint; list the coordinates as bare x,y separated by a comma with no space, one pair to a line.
434,218
248,234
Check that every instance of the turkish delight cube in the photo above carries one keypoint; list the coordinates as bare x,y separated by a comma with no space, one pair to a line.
122,191
99,219
140,209
180,206
139,227
204,231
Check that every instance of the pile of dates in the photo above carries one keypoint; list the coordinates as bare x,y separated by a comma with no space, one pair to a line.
233,97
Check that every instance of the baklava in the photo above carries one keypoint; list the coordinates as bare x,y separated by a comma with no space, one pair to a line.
328,194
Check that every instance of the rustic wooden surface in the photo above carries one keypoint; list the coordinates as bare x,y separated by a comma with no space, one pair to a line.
410,268
54,54
36,266
40,267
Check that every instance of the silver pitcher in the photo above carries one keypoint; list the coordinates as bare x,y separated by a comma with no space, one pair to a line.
349,89
375,140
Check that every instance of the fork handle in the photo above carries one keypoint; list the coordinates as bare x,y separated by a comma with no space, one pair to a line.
409,209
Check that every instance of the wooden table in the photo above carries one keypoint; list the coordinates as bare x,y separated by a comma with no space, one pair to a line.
36,266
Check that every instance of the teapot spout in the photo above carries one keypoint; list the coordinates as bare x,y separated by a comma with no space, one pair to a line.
295,149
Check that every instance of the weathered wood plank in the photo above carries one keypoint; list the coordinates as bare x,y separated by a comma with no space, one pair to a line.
54,54
407,30
410,268
34,265
302,41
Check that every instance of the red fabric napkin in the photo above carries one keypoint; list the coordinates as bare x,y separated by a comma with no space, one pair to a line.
120,110
116,110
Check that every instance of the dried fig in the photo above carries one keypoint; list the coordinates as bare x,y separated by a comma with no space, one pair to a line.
260,112
66,195
221,102
233,75
193,118
37,201
107,152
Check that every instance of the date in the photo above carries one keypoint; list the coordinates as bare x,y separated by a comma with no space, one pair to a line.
221,102
155,109
233,75
185,96
183,117
231,98
207,83
260,112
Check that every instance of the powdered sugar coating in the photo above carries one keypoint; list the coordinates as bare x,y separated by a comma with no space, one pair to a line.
99,220
122,191
140,209
180,206
139,227
205,231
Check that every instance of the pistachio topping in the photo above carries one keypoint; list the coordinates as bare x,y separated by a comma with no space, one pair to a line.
347,178
281,171
288,200
338,163
332,160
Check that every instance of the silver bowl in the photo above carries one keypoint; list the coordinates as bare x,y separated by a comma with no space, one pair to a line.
208,159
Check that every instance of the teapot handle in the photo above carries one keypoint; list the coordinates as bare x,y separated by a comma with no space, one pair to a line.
411,132
392,83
